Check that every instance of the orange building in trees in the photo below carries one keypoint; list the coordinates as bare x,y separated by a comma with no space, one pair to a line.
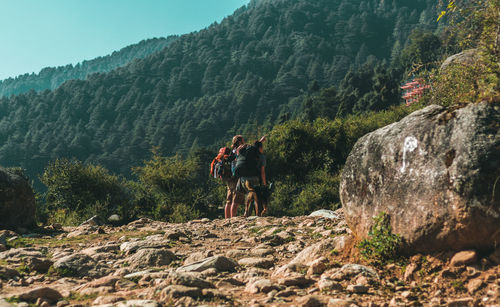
413,90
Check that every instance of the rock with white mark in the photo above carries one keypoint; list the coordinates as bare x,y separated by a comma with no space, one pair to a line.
434,174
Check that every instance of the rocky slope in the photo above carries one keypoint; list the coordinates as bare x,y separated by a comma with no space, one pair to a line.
301,261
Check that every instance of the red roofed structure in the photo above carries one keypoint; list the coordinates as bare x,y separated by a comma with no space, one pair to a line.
413,90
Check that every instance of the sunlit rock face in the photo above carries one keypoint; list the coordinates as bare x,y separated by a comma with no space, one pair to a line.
436,173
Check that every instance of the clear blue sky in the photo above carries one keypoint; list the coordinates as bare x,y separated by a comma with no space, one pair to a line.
40,33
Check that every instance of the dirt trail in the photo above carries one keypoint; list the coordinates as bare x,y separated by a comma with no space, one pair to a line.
239,262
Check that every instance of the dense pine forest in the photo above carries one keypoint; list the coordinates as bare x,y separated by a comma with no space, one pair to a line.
252,70
52,77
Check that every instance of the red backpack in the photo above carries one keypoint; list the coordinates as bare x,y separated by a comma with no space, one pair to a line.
221,165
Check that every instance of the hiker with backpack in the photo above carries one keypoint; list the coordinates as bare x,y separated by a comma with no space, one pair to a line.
222,167
250,167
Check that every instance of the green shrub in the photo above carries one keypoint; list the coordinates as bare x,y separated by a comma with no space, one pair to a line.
461,84
473,24
177,189
183,213
382,245
76,192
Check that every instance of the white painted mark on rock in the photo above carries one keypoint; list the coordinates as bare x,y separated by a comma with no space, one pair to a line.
410,145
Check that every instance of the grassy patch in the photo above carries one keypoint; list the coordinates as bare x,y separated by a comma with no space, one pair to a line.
458,285
23,268
316,236
382,245
255,230
15,300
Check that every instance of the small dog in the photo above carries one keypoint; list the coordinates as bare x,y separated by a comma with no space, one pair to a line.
263,198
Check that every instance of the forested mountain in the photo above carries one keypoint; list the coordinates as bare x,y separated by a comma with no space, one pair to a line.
52,77
239,75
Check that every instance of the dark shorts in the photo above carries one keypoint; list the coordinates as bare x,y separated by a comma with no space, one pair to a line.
233,196
247,184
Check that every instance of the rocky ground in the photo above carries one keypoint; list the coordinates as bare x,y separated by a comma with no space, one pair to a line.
300,261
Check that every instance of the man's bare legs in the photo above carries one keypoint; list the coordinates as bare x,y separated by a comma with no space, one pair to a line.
238,199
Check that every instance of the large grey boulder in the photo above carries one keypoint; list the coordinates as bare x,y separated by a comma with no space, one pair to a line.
436,173
17,201
464,58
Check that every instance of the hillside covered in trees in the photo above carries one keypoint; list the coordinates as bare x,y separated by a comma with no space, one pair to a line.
52,77
255,69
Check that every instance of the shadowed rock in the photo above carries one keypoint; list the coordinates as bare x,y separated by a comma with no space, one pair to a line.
42,292
17,209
